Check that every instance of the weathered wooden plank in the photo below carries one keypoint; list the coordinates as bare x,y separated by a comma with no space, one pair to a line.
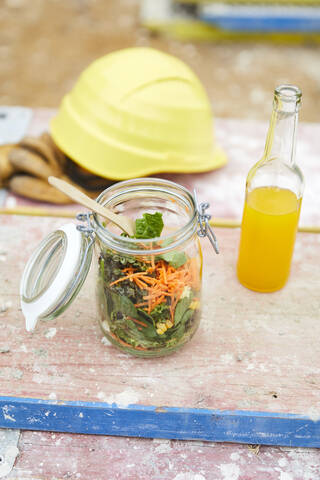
249,353
52,455
160,422
253,352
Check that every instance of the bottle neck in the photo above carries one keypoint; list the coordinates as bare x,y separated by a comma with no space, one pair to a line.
281,138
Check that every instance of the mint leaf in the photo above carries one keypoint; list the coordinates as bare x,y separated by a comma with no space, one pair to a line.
121,304
175,259
150,226
181,308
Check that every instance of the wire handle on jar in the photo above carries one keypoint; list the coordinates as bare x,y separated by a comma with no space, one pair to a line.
86,229
203,219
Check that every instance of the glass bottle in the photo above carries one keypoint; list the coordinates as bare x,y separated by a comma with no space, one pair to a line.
274,191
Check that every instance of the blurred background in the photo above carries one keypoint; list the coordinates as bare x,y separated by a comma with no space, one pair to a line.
45,44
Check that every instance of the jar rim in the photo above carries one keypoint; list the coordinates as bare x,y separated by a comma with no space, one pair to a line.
125,244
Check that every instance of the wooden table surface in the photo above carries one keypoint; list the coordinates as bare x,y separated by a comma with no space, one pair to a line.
252,352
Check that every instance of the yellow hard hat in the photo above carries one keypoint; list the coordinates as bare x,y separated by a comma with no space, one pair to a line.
137,112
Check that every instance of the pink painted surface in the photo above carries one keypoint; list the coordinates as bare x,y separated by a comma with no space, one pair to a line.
47,456
253,352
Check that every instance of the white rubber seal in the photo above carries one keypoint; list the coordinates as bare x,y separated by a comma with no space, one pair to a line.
33,310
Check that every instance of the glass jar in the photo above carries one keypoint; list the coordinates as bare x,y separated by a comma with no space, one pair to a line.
148,290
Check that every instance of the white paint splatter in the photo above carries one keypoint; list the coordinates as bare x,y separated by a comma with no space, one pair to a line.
282,462
227,358
11,453
9,417
53,396
189,476
17,373
285,476
39,378
6,415
230,471
163,448
263,368
123,399
81,415
235,456
51,332
314,414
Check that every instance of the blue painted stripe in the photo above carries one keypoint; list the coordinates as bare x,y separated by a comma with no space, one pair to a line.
160,422
267,24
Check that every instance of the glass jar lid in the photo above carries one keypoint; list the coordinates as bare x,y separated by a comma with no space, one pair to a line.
54,273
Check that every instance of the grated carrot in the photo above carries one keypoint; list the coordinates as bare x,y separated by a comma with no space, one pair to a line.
150,280
165,278
141,304
128,270
135,320
140,283
166,281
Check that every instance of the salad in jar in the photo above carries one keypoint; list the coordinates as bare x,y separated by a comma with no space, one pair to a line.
149,303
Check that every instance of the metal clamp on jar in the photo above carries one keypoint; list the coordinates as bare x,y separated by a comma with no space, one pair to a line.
148,290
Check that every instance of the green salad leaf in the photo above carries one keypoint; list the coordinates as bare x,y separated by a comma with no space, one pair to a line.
150,226
122,304
160,313
123,300
175,259
181,308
